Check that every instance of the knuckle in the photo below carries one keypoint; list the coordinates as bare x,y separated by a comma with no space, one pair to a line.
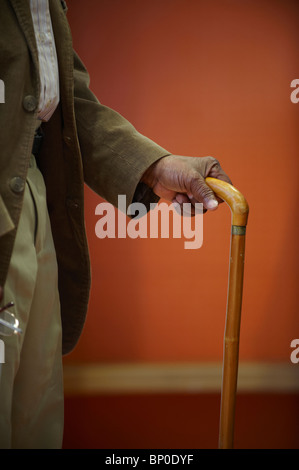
213,162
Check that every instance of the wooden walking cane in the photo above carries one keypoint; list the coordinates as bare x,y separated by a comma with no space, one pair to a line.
239,209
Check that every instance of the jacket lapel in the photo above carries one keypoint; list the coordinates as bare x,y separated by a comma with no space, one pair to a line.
64,50
22,11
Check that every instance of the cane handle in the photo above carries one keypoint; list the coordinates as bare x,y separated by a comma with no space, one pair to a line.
235,200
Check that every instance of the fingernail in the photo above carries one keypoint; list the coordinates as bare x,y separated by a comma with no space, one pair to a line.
211,204
179,198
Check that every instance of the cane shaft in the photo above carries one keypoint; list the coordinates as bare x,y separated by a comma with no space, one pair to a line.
231,342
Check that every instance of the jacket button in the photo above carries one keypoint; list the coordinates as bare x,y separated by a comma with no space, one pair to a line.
17,184
67,140
29,103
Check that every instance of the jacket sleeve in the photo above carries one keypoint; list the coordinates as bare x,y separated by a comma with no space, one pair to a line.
114,154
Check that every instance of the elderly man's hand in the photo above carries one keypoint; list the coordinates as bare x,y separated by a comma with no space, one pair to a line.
182,179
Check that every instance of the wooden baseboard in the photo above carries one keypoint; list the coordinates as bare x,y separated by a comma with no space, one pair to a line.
97,379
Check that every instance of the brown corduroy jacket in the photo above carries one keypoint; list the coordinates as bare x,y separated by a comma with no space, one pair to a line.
84,142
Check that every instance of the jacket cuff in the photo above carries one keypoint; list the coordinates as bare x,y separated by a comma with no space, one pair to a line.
145,195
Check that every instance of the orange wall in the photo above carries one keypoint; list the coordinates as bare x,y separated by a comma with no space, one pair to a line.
200,78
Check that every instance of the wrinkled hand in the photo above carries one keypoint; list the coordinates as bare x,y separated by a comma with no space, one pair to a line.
182,179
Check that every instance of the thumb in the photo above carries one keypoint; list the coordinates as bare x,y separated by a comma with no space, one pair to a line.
201,191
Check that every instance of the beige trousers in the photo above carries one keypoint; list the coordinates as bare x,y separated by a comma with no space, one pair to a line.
31,382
